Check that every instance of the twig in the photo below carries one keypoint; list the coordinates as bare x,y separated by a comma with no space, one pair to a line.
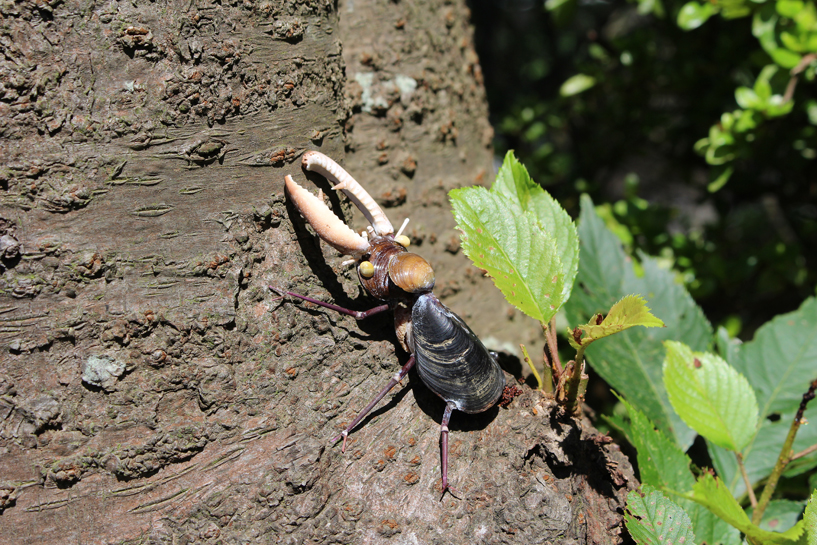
795,72
803,453
749,489
552,344
546,384
785,456
573,385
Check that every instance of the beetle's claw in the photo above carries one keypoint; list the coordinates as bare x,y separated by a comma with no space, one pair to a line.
328,226
335,439
316,161
450,490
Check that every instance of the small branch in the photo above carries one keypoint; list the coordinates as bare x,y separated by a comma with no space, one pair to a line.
803,453
785,456
573,385
545,385
552,344
795,72
547,372
749,489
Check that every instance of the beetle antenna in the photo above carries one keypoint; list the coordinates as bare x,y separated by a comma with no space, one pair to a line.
400,231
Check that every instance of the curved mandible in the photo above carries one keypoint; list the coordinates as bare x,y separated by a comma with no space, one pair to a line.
316,161
328,226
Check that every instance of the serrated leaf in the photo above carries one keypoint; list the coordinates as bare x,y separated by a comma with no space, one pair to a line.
712,493
629,312
631,361
661,462
779,361
779,364
761,455
710,396
512,248
514,182
654,519
810,520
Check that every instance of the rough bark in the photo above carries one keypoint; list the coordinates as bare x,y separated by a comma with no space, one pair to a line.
151,388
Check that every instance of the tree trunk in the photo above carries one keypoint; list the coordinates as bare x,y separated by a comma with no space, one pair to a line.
151,387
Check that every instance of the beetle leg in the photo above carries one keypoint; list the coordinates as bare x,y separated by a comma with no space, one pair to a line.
449,408
356,314
398,376
323,165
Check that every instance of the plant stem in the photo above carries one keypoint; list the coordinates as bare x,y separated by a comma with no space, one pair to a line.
749,489
802,453
572,401
545,385
552,343
785,456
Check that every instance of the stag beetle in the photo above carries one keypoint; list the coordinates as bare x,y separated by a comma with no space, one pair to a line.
450,359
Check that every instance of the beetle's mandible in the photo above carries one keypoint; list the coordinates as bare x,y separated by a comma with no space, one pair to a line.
450,359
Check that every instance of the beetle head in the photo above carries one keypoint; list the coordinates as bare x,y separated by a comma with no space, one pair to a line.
388,271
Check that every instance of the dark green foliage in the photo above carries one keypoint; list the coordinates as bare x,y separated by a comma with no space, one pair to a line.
747,251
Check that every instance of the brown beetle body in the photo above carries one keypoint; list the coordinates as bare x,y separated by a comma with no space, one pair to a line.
449,357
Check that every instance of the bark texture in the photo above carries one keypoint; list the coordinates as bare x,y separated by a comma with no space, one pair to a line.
151,388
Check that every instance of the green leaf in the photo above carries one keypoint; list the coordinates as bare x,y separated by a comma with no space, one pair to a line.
810,519
719,153
760,456
631,361
792,42
748,121
694,14
747,99
720,180
629,312
733,10
709,528
576,84
710,396
645,7
806,18
713,494
661,461
514,182
511,246
785,58
780,515
552,5
763,86
763,25
780,361
789,8
654,519
778,106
